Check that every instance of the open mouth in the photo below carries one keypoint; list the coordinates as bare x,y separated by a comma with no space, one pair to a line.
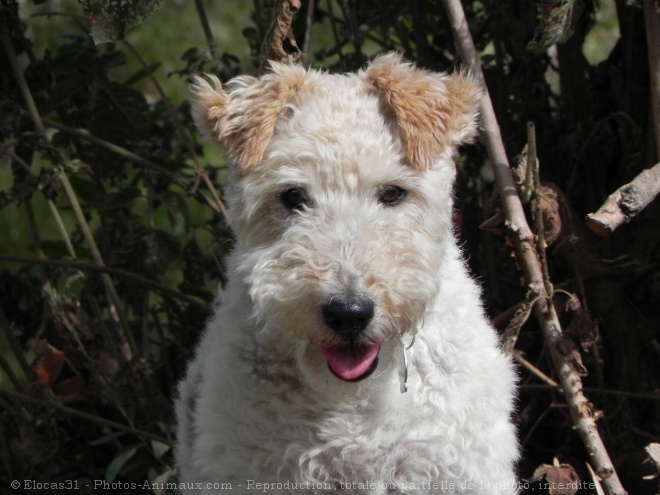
352,362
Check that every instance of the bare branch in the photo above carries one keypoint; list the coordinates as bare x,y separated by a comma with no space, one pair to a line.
579,407
308,29
652,21
626,202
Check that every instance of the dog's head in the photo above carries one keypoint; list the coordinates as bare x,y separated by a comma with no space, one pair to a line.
340,197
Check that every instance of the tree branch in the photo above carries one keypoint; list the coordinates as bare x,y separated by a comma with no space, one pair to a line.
117,310
652,22
579,406
13,396
626,202
117,272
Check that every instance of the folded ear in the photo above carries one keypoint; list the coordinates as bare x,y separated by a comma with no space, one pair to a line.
242,119
433,111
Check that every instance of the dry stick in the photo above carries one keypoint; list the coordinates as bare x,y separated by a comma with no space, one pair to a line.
605,391
83,415
117,272
533,167
4,366
626,202
72,253
15,345
136,159
335,31
204,20
579,407
311,5
201,171
518,356
116,308
652,21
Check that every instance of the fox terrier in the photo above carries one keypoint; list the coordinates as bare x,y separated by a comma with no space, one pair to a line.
349,352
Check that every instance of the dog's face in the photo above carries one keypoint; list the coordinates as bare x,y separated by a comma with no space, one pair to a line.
340,198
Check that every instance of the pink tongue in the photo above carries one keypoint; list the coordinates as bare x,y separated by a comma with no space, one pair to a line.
350,362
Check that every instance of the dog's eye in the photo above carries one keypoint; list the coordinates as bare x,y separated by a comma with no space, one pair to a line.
390,195
295,198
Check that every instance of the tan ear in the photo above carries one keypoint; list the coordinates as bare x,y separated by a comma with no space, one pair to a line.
433,111
208,105
243,119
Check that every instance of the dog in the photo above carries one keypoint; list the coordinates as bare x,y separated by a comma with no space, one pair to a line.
349,351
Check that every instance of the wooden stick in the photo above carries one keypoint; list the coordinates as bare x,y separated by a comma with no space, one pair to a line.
652,22
626,202
579,406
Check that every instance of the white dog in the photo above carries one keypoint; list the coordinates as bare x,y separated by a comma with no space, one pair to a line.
349,352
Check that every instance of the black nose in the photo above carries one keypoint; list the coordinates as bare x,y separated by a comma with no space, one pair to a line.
348,316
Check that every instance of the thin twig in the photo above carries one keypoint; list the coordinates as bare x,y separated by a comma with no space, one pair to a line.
534,370
311,5
597,390
201,170
537,423
652,21
626,202
335,32
533,169
83,415
579,406
204,20
132,157
14,344
20,80
117,309
115,303
78,265
4,365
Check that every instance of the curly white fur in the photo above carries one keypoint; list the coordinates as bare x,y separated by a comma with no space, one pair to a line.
259,408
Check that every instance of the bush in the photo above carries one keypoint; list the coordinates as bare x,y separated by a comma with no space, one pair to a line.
115,234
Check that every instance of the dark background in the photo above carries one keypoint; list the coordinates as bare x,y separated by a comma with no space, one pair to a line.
92,345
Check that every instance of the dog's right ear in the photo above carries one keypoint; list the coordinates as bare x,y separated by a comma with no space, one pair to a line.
242,119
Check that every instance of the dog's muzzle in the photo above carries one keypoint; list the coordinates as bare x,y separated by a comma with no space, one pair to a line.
353,359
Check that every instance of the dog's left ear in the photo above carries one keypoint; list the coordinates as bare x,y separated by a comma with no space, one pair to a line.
433,111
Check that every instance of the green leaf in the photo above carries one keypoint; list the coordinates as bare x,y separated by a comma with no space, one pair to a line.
177,209
161,480
558,20
159,448
111,18
120,114
106,438
162,249
141,74
118,462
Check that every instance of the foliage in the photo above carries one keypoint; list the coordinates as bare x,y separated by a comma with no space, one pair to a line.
114,236
109,19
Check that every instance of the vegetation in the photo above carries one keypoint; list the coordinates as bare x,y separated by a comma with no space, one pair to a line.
114,234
